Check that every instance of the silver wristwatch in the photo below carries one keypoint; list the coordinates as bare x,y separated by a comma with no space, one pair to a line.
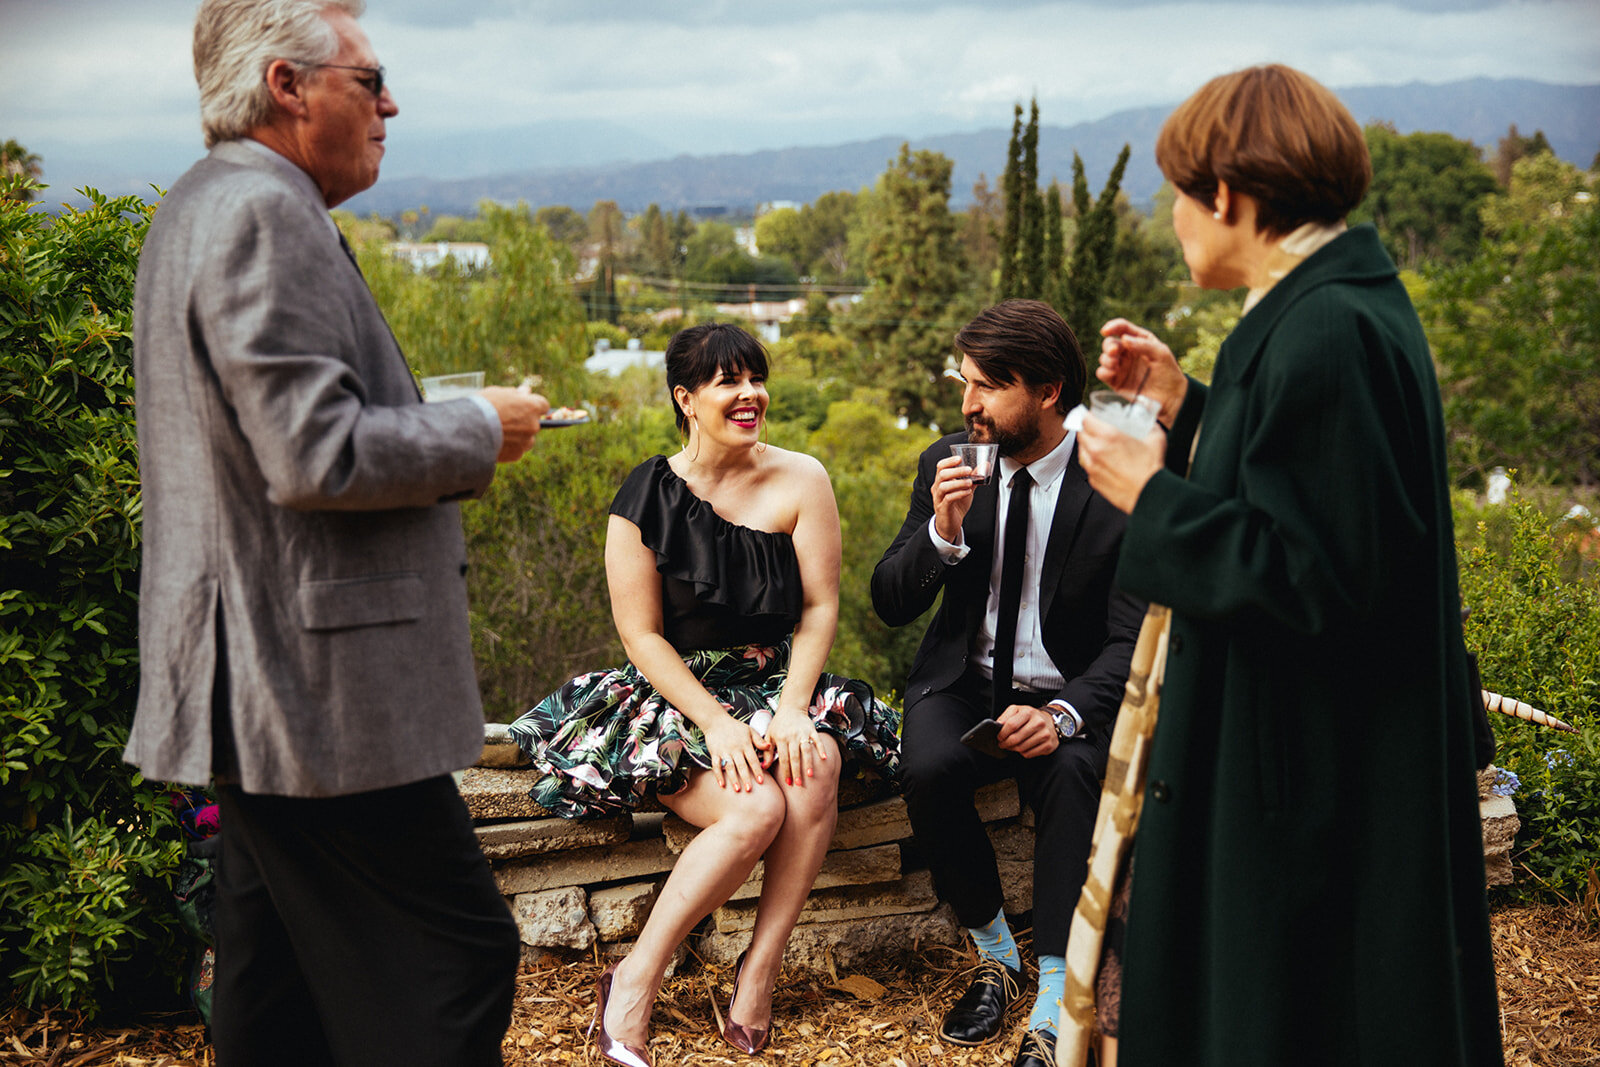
1066,725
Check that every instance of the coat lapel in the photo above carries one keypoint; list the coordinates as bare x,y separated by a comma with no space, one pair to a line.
1070,504
978,529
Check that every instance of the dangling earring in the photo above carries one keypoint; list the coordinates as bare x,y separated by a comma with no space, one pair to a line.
690,416
761,445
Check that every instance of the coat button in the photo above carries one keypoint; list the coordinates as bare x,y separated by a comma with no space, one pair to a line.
1159,791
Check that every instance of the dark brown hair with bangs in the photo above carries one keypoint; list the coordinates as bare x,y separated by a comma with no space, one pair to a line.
698,354
1274,134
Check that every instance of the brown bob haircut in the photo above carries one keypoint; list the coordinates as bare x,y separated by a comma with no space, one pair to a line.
1274,134
1026,340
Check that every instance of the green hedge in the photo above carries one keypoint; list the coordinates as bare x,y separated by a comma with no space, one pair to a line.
1534,591
87,848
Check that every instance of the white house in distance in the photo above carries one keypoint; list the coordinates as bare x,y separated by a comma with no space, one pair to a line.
430,254
608,360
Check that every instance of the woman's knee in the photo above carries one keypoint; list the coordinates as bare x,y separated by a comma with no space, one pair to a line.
757,816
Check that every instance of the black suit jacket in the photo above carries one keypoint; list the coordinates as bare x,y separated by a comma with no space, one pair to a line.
1089,625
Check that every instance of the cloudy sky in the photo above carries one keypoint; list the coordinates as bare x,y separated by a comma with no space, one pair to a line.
103,88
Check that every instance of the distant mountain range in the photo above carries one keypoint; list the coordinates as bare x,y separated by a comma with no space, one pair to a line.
1479,110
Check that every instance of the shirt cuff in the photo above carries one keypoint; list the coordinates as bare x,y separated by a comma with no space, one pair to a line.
1072,713
492,415
951,554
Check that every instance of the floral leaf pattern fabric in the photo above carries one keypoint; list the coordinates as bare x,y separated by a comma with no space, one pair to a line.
607,740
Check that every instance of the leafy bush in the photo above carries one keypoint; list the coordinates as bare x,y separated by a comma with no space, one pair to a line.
85,843
1535,625
537,586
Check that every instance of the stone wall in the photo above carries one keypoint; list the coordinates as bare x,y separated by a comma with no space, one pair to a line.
588,885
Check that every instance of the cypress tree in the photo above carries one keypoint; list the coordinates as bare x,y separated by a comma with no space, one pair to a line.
1083,297
1011,185
1030,243
1054,247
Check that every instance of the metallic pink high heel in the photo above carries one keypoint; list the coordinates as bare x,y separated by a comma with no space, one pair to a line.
616,1051
747,1039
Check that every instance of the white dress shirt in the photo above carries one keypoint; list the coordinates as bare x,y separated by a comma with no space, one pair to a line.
1032,667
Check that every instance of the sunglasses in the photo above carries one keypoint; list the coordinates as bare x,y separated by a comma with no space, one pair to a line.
373,82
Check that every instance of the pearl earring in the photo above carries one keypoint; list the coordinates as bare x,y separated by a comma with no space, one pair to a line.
1217,215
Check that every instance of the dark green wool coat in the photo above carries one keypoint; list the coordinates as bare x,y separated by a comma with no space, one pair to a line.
1308,881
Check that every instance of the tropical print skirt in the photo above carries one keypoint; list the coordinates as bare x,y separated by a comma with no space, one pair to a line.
607,740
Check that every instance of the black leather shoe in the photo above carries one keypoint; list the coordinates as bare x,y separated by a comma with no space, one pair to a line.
976,1017
1038,1050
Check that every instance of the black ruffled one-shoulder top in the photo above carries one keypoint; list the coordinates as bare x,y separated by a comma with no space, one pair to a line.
722,585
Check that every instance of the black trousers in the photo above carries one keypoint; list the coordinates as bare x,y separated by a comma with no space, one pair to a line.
941,774
361,929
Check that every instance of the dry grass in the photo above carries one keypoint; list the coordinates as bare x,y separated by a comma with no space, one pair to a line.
1547,960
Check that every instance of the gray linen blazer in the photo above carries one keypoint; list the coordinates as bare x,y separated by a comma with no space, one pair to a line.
300,541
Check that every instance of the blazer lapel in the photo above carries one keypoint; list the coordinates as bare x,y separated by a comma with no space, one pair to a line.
1070,504
978,529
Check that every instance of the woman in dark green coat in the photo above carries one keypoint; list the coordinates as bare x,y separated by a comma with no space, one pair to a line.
1307,881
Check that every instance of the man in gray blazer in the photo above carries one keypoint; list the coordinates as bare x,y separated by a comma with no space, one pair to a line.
303,615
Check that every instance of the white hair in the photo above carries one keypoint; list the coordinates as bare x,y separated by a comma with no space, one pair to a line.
236,40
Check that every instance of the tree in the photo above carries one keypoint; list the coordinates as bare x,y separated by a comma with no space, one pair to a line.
605,237
19,169
715,258
980,233
656,251
1083,292
1425,194
1011,230
1030,239
1516,331
1022,251
909,314
1141,278
1054,252
778,234
1512,147
814,239
564,225
828,221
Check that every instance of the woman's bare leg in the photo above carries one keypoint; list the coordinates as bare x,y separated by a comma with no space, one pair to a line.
736,829
791,868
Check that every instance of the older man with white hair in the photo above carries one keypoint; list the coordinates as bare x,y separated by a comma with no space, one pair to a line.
303,615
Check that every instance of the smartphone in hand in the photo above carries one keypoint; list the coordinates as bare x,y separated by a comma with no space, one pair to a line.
985,737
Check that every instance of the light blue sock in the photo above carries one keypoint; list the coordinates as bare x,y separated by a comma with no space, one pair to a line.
995,942
1052,988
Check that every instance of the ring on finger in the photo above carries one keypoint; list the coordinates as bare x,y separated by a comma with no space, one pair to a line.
723,762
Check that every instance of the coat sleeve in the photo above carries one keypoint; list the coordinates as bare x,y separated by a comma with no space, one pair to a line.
1097,692
1307,532
297,348
910,575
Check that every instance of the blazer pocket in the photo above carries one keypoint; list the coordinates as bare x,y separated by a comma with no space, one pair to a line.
340,603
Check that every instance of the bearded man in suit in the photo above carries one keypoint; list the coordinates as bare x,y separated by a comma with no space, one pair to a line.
1031,632
303,617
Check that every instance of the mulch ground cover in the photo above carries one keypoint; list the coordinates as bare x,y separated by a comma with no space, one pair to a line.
1547,960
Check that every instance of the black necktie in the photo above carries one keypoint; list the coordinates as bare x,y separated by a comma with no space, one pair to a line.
1013,556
